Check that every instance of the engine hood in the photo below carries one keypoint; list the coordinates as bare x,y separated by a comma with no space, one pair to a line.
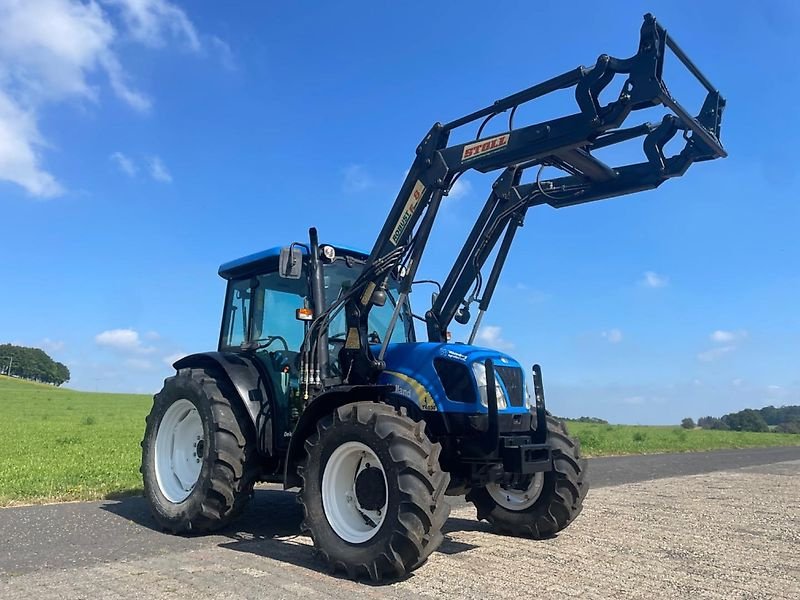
407,356
411,368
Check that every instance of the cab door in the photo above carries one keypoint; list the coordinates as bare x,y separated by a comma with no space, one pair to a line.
260,319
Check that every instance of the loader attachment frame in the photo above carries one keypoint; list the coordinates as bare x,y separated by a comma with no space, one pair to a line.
565,143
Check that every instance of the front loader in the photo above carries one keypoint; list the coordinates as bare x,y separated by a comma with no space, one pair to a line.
319,381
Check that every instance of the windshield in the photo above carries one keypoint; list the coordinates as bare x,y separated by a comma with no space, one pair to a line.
339,276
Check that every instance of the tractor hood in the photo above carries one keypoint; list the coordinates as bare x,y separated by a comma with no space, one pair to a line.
440,376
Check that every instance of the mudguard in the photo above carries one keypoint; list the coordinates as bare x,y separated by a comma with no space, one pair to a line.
325,404
251,387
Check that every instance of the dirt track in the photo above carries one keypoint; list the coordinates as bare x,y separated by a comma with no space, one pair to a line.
729,534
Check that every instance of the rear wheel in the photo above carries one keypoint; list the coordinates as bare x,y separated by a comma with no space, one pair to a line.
198,459
373,491
545,503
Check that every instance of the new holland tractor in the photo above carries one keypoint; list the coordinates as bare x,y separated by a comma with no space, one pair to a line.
320,383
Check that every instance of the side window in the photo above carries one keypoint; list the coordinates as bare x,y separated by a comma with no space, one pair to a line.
277,299
237,313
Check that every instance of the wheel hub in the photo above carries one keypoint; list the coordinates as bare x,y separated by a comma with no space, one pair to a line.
517,499
370,488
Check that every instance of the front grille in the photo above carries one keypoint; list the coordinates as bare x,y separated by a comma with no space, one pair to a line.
515,386
456,380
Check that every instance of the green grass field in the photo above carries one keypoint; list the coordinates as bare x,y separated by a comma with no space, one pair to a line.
58,444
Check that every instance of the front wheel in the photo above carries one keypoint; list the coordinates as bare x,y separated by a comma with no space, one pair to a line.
545,503
373,491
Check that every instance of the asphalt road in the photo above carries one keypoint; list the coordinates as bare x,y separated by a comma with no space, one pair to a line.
106,549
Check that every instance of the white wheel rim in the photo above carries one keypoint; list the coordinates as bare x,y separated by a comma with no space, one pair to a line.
179,451
514,499
344,512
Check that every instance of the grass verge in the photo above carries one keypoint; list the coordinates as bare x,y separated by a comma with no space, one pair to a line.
610,440
61,445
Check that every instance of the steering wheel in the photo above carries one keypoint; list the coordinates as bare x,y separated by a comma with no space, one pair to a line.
266,342
336,341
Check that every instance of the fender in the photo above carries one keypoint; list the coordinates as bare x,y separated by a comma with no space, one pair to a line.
251,388
326,403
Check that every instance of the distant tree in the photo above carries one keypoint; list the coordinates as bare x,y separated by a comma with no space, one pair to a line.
788,427
782,418
770,414
33,364
712,423
783,414
596,420
746,420
687,423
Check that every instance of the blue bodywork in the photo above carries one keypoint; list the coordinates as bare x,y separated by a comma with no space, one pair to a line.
410,366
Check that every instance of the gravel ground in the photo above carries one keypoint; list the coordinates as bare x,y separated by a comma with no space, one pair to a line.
727,535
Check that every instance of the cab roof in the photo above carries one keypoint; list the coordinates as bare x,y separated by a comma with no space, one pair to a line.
267,260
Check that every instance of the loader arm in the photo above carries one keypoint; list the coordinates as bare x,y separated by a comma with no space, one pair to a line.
565,143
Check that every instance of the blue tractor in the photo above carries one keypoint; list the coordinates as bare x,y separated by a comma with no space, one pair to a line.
320,383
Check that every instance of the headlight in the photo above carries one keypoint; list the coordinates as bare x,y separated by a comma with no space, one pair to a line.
528,402
479,370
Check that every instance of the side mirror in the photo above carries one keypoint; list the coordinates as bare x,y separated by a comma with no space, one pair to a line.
290,264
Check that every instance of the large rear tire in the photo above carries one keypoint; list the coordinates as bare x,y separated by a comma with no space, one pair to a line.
549,502
373,491
198,454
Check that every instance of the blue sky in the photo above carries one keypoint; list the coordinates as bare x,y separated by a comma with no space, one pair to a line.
144,142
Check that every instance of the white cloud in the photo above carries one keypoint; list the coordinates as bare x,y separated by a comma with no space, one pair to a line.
356,179
124,163
715,353
730,341
492,337
614,336
47,50
123,340
20,146
652,279
118,80
54,51
49,47
461,188
158,170
151,22
725,337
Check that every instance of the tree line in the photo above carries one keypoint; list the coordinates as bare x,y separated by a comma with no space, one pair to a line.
783,419
31,363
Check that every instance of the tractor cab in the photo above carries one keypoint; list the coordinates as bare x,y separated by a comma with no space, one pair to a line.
267,312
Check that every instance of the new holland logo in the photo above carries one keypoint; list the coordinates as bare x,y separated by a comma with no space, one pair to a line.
482,147
408,212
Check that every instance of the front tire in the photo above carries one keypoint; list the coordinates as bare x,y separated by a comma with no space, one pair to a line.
373,491
198,454
550,501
